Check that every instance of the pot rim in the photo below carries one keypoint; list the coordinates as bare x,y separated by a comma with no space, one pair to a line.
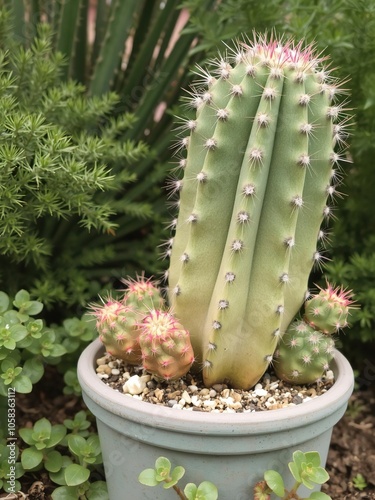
228,423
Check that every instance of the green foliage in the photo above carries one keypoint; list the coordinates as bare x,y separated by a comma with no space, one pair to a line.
359,482
10,467
69,452
305,469
63,173
168,477
134,49
27,345
69,459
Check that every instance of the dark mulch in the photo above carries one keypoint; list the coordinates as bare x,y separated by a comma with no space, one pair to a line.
352,449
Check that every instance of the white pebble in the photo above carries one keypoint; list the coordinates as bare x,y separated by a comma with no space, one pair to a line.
196,401
102,375
115,371
330,375
258,386
182,402
260,392
193,388
135,385
186,397
227,401
307,398
209,403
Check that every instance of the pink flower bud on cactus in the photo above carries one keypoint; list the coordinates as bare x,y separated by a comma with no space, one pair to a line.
117,326
165,345
328,310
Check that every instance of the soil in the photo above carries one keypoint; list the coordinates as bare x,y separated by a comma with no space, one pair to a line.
352,451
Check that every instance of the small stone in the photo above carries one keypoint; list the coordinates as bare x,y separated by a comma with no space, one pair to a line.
172,402
186,397
196,401
103,375
209,403
236,396
102,361
218,387
260,392
330,375
103,369
258,386
225,393
135,385
236,405
193,388
297,400
204,392
212,393
115,371
159,393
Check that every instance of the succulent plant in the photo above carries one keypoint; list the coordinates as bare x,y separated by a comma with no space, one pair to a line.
306,349
260,171
165,345
117,325
143,294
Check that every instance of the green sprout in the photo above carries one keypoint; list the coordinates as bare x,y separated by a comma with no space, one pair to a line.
164,474
305,469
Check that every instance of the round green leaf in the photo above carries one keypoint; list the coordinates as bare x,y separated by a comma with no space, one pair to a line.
75,475
319,475
275,481
31,458
22,384
4,302
21,297
58,432
318,495
207,491
65,493
148,477
190,491
76,443
98,491
33,307
54,461
33,369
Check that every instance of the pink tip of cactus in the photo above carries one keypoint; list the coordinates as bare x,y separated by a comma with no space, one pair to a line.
279,52
338,295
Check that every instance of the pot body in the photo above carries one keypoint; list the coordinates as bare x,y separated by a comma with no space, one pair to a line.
232,450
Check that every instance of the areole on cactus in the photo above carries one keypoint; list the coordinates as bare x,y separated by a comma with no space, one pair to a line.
261,164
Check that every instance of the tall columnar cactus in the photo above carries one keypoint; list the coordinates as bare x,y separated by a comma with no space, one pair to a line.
306,349
259,168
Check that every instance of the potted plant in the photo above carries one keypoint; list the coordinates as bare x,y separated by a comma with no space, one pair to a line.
263,156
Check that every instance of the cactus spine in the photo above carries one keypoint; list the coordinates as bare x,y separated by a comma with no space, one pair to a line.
257,175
